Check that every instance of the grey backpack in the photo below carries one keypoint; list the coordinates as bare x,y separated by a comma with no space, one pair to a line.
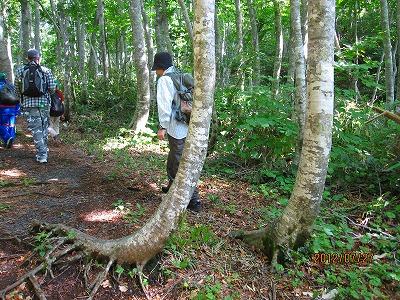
184,84
33,81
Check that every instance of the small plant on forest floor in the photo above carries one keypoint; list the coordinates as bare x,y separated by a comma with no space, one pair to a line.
42,244
5,183
133,216
4,207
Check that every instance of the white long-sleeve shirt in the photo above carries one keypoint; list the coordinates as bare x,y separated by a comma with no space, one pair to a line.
166,93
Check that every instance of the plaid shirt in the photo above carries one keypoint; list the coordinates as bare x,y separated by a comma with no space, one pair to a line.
42,101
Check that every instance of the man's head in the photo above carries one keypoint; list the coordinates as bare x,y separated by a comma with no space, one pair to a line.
162,61
33,55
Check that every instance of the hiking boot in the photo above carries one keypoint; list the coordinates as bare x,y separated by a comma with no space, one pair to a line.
42,160
194,206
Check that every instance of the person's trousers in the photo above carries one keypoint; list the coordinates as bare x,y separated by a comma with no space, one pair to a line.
174,157
38,124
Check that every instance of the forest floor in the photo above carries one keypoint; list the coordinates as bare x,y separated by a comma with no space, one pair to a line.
109,196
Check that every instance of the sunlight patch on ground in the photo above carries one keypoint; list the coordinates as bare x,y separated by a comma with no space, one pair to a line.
114,144
103,216
14,173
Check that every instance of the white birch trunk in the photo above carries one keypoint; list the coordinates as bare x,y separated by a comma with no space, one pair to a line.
279,48
295,225
255,39
5,46
150,239
103,39
186,17
387,46
141,114
300,70
239,45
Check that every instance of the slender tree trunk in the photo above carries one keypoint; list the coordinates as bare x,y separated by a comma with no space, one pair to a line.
294,227
5,45
81,37
300,71
103,39
150,53
389,80
141,115
37,28
304,25
218,46
378,77
26,27
398,51
186,18
256,46
278,49
239,45
162,28
355,77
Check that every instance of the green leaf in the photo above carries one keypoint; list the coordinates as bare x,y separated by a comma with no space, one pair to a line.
119,270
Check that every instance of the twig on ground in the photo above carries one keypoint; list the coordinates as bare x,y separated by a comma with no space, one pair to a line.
140,274
371,229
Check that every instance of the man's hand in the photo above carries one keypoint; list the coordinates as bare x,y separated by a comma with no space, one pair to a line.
161,133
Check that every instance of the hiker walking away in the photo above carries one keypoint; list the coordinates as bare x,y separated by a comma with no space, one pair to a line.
169,126
54,127
34,84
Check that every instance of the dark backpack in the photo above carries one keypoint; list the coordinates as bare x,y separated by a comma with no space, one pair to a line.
33,81
8,94
184,84
56,106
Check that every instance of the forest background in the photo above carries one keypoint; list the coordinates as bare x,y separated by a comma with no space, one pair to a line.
95,49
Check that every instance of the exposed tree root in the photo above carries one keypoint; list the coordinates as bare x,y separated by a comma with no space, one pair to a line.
36,286
253,237
100,278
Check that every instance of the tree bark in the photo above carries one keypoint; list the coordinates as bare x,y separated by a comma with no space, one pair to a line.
103,40
387,46
145,243
398,51
186,17
162,28
294,227
300,71
37,40
278,49
304,25
81,37
255,39
141,114
5,45
26,27
150,53
239,45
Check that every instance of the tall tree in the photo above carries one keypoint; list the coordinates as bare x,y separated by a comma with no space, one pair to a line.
163,40
186,18
387,46
299,69
37,40
5,45
80,39
26,27
103,39
398,51
141,114
239,45
294,227
278,47
255,40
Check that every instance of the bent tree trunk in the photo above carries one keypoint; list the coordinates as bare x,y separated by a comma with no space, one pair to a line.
294,227
141,115
149,240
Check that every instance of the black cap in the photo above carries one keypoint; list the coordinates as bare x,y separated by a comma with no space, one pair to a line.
33,53
162,60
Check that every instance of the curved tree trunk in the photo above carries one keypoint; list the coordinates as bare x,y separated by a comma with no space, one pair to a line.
278,47
5,45
389,80
141,115
150,239
299,70
294,227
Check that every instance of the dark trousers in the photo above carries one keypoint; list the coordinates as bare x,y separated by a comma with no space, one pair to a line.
174,156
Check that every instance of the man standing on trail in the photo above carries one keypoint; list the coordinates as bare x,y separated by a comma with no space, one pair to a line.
34,84
169,127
